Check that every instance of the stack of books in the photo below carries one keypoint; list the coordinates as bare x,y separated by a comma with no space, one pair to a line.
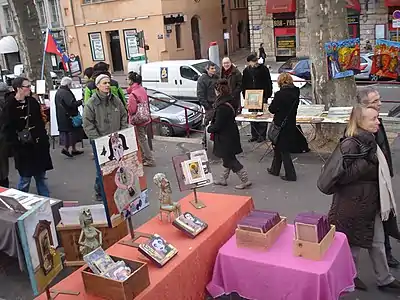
259,221
311,226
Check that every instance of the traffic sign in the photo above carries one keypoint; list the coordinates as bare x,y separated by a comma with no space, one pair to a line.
396,23
396,14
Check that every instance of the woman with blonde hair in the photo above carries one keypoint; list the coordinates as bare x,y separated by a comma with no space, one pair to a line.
363,197
284,107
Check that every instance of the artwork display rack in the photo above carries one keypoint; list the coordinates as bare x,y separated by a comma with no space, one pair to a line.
196,202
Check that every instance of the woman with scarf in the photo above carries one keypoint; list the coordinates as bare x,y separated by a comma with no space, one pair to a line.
364,198
226,136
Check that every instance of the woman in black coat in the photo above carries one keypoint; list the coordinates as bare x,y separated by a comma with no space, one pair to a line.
226,135
4,149
67,107
284,106
26,133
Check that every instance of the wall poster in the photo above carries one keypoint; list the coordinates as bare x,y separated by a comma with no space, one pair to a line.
343,58
385,62
96,46
131,43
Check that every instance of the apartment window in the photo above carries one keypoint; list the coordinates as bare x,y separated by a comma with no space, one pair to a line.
41,12
8,19
178,35
55,15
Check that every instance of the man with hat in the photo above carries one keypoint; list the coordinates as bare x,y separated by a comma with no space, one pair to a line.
104,114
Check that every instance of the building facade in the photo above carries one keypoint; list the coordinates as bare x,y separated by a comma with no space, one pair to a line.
174,29
283,28
49,14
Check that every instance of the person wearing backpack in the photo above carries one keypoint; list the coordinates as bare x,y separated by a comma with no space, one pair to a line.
139,114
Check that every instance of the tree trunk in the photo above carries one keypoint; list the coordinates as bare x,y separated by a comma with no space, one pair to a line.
30,39
327,22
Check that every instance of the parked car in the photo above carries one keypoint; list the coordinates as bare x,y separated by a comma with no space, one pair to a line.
298,66
171,111
365,68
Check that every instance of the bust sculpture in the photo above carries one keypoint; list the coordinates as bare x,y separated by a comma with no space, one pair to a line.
167,206
90,237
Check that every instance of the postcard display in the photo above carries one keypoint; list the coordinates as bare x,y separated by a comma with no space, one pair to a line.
192,172
386,59
343,58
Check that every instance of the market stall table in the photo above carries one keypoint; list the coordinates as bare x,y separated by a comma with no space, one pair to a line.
186,275
253,274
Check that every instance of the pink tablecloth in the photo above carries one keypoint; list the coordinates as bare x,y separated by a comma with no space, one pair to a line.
276,274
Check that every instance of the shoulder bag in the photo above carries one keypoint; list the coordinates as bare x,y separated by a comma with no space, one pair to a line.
142,114
24,136
275,130
76,120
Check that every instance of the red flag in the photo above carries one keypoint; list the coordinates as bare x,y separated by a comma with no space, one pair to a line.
51,46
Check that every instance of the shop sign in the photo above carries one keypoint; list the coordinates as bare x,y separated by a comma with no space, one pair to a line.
96,46
131,43
353,20
284,23
286,42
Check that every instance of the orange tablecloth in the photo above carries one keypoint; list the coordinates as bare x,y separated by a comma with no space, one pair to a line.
187,274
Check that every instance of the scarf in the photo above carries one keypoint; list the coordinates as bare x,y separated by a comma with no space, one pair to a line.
228,72
386,196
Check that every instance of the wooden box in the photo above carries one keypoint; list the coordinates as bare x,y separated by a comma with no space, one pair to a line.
118,290
306,232
69,237
260,240
311,250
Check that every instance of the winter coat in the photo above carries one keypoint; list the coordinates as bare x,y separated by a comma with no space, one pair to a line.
226,133
115,89
257,78
284,104
356,202
30,159
382,141
234,78
102,117
66,107
4,146
206,90
137,93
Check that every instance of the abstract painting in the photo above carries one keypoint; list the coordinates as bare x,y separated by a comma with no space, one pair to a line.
343,58
386,58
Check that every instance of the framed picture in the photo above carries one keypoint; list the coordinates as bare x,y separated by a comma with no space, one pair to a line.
44,242
96,46
193,171
254,99
158,250
131,43
190,224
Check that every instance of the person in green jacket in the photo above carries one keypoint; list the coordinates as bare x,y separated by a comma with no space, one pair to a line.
98,69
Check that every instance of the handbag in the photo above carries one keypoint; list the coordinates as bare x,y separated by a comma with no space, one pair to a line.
333,170
142,114
24,136
275,130
75,120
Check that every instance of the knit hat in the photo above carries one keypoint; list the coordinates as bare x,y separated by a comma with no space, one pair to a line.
100,78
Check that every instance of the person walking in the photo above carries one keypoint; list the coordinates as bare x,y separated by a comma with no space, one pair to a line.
370,97
226,136
139,114
104,114
206,90
66,110
26,133
284,107
234,78
4,147
257,77
363,197
261,53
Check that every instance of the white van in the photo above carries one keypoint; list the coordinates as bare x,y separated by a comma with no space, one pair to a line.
177,78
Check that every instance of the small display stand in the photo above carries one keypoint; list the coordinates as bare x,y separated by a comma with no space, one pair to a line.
57,292
196,202
135,235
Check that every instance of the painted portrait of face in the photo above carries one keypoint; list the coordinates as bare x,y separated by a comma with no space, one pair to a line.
117,145
159,245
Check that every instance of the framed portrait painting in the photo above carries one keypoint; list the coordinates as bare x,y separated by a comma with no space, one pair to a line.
254,99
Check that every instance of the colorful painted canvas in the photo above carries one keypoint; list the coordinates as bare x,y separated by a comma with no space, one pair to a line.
39,240
188,174
343,58
123,184
386,59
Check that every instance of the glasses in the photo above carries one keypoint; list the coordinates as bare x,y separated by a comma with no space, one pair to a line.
27,86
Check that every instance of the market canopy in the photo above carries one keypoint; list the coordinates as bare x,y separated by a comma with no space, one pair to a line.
8,45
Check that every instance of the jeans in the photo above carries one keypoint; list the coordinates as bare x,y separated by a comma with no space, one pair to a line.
97,185
144,144
41,184
388,247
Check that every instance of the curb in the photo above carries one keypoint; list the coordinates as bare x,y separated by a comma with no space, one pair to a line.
178,139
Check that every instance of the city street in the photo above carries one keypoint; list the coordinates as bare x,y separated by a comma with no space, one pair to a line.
72,179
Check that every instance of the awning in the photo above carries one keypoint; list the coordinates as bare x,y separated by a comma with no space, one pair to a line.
8,45
354,4
280,6
390,3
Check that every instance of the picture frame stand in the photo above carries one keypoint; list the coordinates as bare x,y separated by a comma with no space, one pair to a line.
135,235
196,202
58,292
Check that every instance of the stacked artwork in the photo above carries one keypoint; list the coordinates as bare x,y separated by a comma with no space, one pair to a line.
311,226
190,224
386,58
259,221
158,250
343,58
124,187
192,170
39,241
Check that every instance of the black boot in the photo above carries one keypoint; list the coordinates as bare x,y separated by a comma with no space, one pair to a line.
359,285
392,262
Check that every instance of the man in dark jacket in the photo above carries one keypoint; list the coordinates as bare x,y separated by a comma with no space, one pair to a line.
206,90
257,77
234,78
370,97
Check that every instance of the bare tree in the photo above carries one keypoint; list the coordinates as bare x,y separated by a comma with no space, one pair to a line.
30,38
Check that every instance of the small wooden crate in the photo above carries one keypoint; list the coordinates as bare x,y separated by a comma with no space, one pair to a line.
314,251
260,240
118,290
306,232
